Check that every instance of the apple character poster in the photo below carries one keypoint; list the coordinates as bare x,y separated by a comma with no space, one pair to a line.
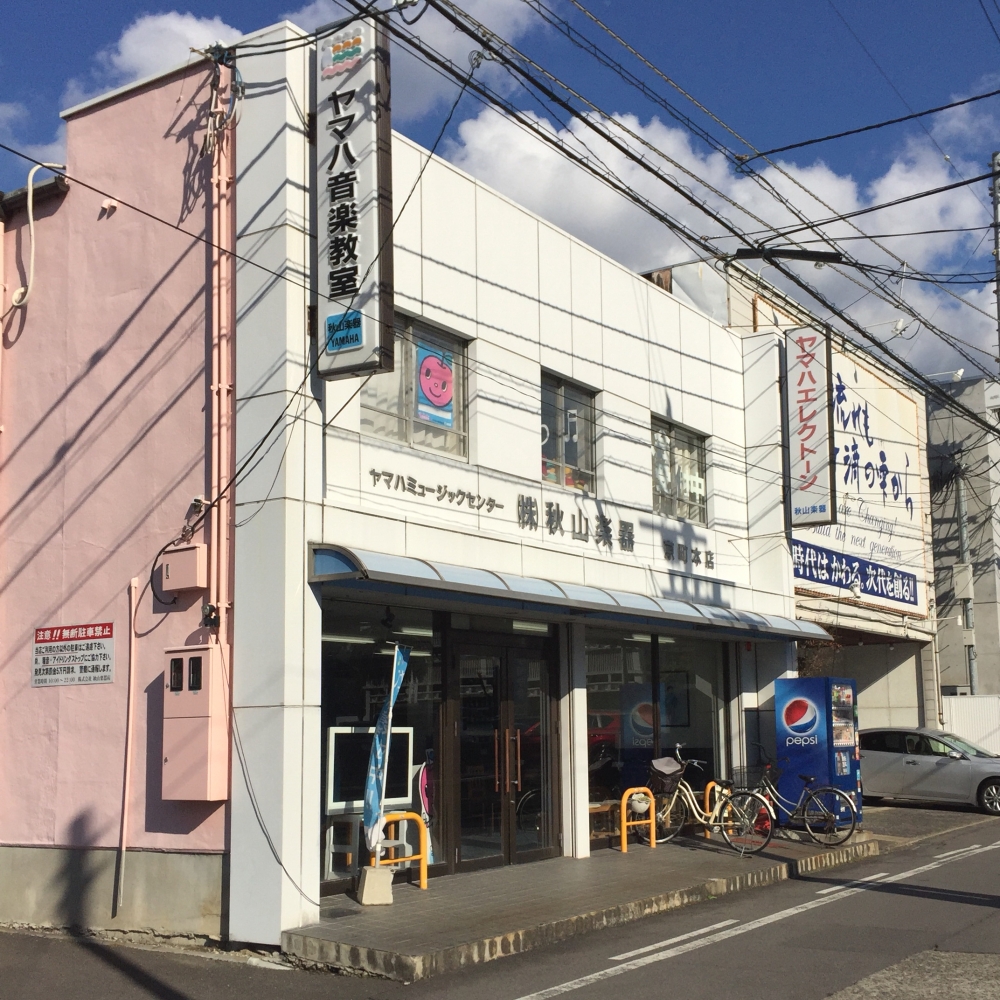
435,386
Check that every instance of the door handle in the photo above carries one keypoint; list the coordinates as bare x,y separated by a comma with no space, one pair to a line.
519,760
496,760
913,763
506,755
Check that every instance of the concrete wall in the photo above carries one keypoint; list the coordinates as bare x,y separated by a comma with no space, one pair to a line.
888,683
104,395
163,892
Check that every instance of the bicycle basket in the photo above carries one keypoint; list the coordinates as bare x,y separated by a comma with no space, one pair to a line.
665,775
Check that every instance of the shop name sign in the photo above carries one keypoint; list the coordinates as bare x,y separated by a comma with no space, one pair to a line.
810,433
353,279
73,654
835,569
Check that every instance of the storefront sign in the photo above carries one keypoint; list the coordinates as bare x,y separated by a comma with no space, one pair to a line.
688,554
881,536
408,484
602,529
819,565
73,654
807,411
354,200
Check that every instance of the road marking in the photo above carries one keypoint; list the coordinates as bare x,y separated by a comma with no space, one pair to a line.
961,850
751,925
673,940
848,885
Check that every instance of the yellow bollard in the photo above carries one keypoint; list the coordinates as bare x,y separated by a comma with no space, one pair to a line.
709,788
626,822
411,817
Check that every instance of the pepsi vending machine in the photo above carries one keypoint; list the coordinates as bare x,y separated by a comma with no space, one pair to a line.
816,734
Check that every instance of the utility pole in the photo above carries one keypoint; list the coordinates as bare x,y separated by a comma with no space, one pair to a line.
995,189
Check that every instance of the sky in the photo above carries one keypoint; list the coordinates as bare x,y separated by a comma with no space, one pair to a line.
772,71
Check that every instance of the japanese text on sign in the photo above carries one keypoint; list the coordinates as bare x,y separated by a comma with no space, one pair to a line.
456,495
808,412
819,565
73,654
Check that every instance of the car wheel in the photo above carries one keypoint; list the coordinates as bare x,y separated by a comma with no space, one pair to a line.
989,796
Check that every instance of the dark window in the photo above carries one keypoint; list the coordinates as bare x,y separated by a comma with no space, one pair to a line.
568,453
177,673
873,741
679,473
194,673
895,742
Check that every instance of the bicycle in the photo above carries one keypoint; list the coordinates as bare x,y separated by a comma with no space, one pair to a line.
743,817
828,813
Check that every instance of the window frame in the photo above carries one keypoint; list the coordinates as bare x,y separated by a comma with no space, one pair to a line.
681,508
409,334
585,479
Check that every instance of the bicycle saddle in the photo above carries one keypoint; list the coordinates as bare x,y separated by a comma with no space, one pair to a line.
724,782
807,778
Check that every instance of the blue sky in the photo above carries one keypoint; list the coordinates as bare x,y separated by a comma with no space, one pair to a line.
775,70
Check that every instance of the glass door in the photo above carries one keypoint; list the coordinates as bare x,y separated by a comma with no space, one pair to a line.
506,759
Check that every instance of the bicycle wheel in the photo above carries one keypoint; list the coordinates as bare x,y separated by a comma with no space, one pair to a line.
829,816
671,815
746,822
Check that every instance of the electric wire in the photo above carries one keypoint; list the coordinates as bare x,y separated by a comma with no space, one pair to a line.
872,128
763,181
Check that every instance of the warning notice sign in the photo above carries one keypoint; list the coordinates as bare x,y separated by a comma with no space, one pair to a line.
73,654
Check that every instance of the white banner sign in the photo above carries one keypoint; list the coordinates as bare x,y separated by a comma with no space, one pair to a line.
807,402
354,202
73,654
876,552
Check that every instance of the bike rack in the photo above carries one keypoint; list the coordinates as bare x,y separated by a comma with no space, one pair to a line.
626,823
412,817
708,806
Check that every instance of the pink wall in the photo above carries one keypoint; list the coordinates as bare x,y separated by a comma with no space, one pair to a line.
104,410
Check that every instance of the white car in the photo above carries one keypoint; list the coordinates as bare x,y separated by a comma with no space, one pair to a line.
929,765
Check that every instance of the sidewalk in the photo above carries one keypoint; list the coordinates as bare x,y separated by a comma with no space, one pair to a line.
466,919
900,824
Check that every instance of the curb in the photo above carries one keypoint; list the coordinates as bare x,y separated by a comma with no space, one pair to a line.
410,968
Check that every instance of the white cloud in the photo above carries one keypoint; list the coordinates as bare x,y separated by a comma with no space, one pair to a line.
416,88
496,150
150,44
14,117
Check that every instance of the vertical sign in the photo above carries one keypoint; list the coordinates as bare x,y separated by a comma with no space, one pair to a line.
810,433
354,283
73,654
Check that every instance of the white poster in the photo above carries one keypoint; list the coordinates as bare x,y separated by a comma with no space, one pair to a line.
354,202
73,654
876,551
807,402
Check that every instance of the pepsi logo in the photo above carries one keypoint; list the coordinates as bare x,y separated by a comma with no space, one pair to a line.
800,716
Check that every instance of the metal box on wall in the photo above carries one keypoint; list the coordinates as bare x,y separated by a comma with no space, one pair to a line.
195,725
185,568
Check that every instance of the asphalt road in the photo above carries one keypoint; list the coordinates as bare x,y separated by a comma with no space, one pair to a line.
917,923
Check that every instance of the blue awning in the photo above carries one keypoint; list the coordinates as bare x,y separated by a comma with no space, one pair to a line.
369,572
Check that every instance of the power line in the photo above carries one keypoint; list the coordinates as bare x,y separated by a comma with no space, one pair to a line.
621,187
989,20
758,178
872,128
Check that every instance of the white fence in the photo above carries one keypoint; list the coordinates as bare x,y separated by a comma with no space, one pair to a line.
977,718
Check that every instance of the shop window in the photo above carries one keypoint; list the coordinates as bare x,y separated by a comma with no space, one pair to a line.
568,453
679,472
357,666
627,725
423,402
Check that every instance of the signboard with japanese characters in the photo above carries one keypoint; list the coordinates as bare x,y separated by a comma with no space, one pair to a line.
354,285
73,654
876,552
810,438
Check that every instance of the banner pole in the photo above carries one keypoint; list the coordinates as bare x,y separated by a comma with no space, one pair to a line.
385,760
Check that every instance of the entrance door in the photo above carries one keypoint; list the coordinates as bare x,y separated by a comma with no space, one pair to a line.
506,755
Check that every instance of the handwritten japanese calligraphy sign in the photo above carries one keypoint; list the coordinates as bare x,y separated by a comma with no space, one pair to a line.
353,277
810,435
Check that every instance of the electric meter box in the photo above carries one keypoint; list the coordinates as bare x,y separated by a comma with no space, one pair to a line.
185,568
195,725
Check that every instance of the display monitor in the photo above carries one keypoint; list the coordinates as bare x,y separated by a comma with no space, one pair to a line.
348,752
